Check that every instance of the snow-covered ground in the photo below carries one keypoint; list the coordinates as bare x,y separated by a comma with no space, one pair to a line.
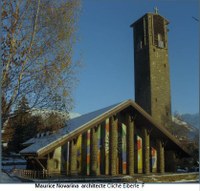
11,162
6,178
9,168
7,161
8,164
6,174
9,178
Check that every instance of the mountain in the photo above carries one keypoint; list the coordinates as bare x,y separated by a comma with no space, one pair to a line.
192,119
183,129
73,115
44,113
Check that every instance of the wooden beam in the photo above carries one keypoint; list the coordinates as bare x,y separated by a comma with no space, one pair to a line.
40,163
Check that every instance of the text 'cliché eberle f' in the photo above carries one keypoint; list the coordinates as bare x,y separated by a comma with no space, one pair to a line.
90,185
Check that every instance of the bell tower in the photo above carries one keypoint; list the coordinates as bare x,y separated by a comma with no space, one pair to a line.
151,66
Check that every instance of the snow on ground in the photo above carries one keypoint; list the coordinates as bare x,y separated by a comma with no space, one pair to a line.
187,181
13,161
9,168
8,161
9,178
6,178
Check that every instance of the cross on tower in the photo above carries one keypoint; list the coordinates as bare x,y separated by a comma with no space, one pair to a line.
156,10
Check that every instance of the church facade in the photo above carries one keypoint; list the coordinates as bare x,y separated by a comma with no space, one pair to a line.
125,138
119,139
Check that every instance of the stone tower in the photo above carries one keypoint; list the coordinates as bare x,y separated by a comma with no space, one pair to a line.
151,66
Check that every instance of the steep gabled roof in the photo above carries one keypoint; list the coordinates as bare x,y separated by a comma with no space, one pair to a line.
44,144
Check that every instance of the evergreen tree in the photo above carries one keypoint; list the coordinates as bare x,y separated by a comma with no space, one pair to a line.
23,124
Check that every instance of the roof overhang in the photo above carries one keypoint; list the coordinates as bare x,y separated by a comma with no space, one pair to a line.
144,117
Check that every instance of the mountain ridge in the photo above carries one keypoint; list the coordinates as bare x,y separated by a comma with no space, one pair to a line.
191,119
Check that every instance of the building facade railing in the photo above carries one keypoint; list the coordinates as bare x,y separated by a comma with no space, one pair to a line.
31,174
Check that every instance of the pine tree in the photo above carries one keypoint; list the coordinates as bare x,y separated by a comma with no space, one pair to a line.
23,124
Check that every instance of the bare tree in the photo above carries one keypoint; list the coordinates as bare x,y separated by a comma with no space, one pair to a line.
37,43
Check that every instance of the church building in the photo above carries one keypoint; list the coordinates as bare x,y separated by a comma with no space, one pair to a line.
126,138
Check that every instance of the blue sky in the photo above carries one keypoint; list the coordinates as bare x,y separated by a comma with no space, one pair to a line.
105,48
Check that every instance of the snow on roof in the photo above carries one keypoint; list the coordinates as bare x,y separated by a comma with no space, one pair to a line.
42,144
38,143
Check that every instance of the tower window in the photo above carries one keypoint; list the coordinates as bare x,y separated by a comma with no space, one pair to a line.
139,45
159,37
160,41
